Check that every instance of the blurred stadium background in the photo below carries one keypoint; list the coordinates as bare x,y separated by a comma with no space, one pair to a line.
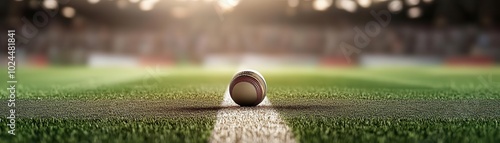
214,33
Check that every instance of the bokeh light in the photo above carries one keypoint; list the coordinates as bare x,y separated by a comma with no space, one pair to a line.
228,5
134,1
68,12
93,1
365,3
348,5
395,6
322,5
414,12
50,4
147,5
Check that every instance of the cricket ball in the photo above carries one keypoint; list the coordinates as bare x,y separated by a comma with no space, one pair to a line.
248,88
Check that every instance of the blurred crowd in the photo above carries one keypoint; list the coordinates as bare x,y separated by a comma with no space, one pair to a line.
189,31
191,42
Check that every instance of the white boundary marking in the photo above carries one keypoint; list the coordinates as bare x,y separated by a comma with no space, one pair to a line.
249,124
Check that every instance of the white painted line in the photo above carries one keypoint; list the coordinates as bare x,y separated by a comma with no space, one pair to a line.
249,124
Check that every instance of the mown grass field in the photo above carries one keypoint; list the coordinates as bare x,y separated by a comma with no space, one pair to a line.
428,104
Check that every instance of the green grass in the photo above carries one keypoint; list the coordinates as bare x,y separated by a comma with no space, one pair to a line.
423,83
288,87
333,129
111,130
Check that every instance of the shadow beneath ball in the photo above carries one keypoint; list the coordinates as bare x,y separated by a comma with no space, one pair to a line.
278,107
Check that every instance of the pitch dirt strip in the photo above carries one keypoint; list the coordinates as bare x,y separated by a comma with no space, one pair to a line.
249,124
